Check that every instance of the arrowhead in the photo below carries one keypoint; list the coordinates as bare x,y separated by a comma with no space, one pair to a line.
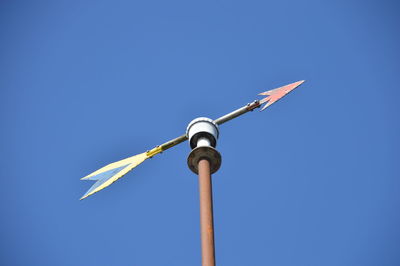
276,94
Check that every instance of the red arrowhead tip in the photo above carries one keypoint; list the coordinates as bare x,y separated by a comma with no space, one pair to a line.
276,94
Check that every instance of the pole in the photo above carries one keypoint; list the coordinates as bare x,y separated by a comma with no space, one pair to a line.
204,160
206,214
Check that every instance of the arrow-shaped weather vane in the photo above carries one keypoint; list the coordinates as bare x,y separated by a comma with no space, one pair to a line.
203,160
110,173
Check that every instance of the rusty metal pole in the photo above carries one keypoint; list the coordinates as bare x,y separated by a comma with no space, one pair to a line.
206,214
204,160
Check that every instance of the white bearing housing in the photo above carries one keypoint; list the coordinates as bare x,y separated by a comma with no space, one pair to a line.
202,131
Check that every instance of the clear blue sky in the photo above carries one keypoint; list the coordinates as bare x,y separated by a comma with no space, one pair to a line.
314,180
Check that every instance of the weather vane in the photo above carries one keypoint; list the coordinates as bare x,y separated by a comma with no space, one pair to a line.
203,160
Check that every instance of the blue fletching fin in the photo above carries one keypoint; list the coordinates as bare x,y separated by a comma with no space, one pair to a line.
107,174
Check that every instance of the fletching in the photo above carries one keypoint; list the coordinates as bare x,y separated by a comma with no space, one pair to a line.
110,173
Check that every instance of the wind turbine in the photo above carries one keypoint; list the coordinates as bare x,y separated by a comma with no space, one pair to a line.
203,160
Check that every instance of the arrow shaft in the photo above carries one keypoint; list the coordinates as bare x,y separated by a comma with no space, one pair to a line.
165,146
219,121
238,112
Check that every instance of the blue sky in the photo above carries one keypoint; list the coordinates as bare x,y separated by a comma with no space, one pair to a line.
313,180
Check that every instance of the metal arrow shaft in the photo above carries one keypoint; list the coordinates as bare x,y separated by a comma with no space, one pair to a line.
218,121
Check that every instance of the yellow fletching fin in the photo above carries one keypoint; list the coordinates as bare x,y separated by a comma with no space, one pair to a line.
110,173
